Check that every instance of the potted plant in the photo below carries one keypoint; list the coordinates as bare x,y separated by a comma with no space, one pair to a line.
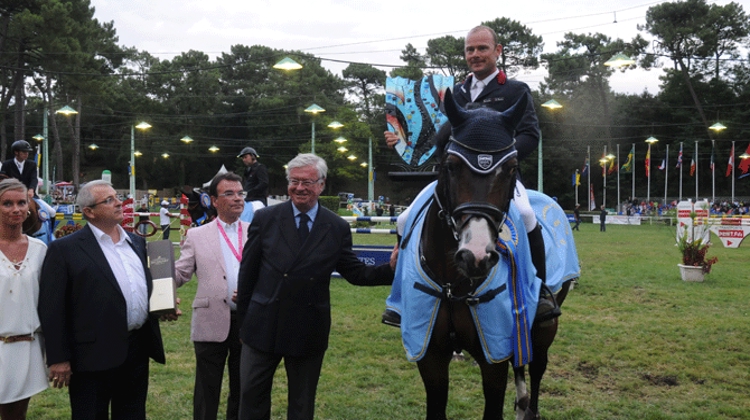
693,249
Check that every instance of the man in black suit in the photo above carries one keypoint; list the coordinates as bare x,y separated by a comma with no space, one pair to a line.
93,307
20,167
283,298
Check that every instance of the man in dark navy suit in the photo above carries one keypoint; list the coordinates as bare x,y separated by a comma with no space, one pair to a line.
20,167
283,299
93,306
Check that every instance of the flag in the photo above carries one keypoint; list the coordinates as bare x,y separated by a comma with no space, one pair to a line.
628,166
648,162
591,198
603,164
679,158
663,165
692,166
575,178
612,167
730,164
578,179
585,168
745,164
711,165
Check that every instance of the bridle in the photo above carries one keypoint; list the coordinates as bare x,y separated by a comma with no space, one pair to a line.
457,218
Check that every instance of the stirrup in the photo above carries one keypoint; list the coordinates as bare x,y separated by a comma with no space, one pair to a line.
548,304
391,318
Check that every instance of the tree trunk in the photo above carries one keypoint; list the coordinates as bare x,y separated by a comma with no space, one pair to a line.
57,148
72,133
76,136
698,106
20,108
3,113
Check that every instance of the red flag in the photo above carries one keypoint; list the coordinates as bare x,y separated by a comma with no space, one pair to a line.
730,164
745,163
692,166
591,198
648,162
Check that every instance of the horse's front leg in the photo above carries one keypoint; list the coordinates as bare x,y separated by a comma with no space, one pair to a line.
433,368
494,382
522,394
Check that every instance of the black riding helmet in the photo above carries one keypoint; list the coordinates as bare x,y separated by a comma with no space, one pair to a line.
248,151
21,146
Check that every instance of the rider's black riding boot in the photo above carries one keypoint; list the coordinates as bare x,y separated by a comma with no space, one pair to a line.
390,317
547,308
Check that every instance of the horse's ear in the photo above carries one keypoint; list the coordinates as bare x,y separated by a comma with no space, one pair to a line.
456,115
513,115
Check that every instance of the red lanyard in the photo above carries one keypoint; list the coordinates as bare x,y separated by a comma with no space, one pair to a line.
237,255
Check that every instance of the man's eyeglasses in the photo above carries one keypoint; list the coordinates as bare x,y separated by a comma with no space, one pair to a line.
303,182
231,194
108,201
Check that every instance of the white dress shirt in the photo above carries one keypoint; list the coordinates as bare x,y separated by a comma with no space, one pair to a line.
230,260
477,86
129,272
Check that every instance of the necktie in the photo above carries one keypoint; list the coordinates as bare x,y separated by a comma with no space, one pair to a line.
476,90
303,230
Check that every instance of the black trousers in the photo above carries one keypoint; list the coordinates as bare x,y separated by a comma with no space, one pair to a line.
165,232
123,389
210,358
257,373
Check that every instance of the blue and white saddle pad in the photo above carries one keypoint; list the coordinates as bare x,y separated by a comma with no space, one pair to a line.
504,323
559,245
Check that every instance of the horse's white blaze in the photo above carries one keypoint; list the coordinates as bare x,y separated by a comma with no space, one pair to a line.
477,239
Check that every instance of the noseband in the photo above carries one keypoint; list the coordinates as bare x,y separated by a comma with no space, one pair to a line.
494,216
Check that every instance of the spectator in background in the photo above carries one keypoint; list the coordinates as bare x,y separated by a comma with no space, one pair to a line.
142,219
255,176
603,220
577,217
164,217
20,167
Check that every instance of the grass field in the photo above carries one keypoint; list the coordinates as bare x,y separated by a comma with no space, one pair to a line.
635,342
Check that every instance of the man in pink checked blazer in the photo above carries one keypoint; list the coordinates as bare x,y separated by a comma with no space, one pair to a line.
213,252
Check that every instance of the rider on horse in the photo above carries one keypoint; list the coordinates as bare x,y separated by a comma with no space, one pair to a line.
495,91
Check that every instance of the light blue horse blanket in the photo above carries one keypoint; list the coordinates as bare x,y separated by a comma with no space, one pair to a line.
504,322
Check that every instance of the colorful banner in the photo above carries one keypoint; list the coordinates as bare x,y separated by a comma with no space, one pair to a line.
628,166
744,164
414,113
730,164
585,168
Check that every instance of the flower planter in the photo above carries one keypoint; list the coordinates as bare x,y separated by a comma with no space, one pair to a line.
690,273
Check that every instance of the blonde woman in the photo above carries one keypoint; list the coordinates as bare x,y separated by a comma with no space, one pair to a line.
22,366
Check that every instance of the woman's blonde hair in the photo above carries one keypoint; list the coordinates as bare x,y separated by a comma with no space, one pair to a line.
12,184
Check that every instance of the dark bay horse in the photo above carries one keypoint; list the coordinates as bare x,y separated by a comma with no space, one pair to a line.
458,250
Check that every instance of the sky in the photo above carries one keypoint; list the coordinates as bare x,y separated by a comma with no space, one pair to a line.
368,31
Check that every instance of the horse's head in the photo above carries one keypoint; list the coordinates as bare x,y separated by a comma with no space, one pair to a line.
477,181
